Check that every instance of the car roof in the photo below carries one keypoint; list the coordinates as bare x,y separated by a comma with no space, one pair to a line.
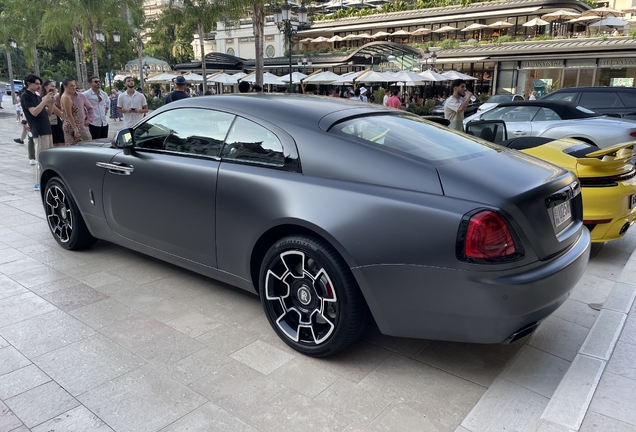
595,89
565,110
282,108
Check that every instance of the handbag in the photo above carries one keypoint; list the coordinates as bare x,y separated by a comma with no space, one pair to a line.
53,120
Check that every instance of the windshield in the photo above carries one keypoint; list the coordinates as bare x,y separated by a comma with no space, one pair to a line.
499,99
412,137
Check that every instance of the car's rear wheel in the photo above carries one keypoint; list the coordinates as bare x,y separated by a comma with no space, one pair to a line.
310,296
64,218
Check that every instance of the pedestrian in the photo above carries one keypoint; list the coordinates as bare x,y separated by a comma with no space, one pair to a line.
394,100
1,94
18,106
131,103
533,96
244,87
77,112
98,99
179,92
356,95
363,94
114,113
55,115
35,111
454,107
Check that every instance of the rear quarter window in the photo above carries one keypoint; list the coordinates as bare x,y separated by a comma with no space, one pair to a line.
599,99
411,137
629,99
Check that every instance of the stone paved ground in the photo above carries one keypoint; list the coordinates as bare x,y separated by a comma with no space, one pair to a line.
111,340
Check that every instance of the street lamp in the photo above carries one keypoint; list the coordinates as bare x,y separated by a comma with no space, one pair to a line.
13,45
433,60
304,63
101,38
146,70
282,19
427,55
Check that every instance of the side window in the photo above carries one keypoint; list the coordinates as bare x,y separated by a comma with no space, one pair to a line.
511,114
629,99
249,142
546,114
192,131
593,100
562,96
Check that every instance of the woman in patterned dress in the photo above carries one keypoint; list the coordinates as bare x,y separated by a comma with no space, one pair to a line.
114,114
71,123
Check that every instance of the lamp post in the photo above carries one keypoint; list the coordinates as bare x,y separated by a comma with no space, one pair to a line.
101,38
433,60
427,55
282,19
304,63
13,46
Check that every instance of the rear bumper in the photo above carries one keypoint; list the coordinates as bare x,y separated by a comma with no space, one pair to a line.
610,203
469,306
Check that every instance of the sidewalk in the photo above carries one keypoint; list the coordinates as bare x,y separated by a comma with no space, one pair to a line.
111,340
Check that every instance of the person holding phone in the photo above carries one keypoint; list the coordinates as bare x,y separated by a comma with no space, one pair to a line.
131,104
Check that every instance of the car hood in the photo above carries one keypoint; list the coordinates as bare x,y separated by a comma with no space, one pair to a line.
516,183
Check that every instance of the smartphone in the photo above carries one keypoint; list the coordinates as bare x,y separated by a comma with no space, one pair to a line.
133,109
52,91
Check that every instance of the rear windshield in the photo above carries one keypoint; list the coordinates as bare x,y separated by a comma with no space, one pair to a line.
412,137
499,99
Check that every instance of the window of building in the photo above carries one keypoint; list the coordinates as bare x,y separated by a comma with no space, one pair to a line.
250,142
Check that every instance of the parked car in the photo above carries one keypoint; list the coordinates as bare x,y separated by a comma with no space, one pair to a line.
559,119
327,209
17,85
611,101
606,175
495,100
470,110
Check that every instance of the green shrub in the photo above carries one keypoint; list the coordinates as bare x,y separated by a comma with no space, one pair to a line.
449,44
542,37
484,97
632,33
378,95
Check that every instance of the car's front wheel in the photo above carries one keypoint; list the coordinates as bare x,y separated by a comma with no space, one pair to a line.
310,296
64,218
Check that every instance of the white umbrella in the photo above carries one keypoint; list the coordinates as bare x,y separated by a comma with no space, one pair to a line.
162,78
585,18
474,27
355,37
222,78
629,10
373,76
319,77
365,36
603,12
430,75
401,33
193,77
560,15
458,75
334,39
320,39
445,29
347,78
500,25
381,34
306,40
535,22
239,75
268,78
610,22
421,31
296,77
409,77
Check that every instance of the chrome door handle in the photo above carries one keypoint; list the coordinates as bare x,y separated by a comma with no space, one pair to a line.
519,133
116,169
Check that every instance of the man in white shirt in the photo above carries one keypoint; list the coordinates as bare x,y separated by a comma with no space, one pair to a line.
131,104
100,102
454,107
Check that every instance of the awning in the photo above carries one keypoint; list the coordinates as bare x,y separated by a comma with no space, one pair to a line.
313,66
427,20
460,60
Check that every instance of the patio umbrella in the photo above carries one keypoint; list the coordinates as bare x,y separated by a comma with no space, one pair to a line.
381,34
421,31
430,75
603,12
320,39
373,76
353,37
193,77
347,78
319,77
239,75
162,78
474,27
610,22
296,77
335,39
222,78
560,15
401,33
445,29
268,78
409,77
535,22
365,36
629,10
499,25
458,75
307,40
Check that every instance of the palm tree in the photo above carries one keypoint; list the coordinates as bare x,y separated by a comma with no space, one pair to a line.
6,31
28,21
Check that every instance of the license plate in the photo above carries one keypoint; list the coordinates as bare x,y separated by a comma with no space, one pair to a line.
561,213
632,201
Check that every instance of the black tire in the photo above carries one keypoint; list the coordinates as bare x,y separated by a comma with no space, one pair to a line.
64,218
310,297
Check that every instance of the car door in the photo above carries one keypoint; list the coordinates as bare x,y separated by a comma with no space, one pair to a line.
546,119
518,119
162,195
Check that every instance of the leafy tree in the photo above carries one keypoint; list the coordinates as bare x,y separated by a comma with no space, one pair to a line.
28,24
6,33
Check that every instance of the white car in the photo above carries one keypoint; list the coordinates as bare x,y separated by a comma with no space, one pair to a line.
497,99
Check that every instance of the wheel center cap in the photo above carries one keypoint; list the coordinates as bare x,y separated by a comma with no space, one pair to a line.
304,295
63,212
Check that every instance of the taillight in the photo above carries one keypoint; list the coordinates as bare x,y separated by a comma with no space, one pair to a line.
487,237
633,134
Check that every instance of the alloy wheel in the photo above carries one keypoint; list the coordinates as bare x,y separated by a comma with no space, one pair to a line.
58,213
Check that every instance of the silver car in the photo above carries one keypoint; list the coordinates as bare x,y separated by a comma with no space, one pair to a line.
559,119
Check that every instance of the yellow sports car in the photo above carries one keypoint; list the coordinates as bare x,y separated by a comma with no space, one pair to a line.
607,176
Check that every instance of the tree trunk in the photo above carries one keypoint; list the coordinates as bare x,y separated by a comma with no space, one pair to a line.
93,41
36,60
140,55
258,24
78,63
10,70
83,78
203,70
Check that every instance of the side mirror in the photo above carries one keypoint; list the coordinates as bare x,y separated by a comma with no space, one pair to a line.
124,140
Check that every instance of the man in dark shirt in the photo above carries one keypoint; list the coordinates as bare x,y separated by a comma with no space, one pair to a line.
36,110
179,92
